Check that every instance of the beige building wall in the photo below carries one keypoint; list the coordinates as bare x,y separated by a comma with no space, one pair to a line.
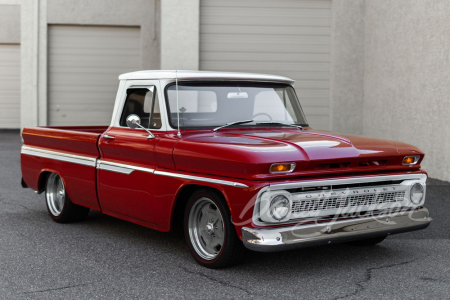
407,76
390,74
347,66
180,21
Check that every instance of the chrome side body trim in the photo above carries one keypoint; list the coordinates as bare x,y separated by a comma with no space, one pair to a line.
299,236
290,185
76,159
120,168
204,179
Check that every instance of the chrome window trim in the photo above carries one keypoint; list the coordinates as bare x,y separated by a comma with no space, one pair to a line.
122,95
204,179
166,81
120,168
291,185
76,159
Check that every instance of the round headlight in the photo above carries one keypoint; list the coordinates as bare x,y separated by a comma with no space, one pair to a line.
416,193
279,207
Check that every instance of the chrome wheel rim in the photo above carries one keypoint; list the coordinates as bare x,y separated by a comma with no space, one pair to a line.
55,194
206,228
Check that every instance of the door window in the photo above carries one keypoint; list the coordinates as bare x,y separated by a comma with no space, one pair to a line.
143,102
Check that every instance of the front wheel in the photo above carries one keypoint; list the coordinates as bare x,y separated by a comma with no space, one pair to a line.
209,233
59,206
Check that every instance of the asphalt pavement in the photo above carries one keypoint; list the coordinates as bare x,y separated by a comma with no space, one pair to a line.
106,258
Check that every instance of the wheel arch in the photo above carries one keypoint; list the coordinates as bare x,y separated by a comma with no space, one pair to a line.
181,200
43,175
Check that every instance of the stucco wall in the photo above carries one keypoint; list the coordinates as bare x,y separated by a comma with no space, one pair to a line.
407,76
347,66
180,21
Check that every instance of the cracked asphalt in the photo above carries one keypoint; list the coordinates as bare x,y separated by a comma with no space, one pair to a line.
106,258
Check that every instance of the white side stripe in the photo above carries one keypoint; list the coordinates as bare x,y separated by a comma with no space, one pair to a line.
76,159
197,178
116,167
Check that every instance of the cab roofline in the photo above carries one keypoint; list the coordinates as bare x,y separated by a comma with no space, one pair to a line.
204,75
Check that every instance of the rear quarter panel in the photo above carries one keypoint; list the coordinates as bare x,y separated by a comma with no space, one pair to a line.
80,180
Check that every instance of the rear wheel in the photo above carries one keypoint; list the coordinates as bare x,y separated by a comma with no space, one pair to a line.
368,242
209,233
59,206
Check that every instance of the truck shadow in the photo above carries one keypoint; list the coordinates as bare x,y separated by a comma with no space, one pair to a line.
283,264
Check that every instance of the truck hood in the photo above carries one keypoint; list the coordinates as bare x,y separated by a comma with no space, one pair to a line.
248,153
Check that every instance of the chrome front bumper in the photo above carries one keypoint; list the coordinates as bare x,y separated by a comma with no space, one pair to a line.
299,236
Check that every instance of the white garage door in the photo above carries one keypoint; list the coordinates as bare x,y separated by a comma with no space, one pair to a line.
84,64
283,37
9,86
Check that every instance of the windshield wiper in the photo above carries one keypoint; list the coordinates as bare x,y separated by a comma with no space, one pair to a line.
234,123
279,123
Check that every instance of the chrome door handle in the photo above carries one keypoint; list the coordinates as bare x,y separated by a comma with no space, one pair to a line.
108,137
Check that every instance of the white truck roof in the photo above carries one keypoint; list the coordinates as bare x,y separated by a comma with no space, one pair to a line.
204,75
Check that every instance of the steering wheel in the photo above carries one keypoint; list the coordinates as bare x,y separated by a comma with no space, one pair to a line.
263,114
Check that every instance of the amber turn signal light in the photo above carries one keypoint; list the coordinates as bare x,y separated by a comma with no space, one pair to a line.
282,168
410,160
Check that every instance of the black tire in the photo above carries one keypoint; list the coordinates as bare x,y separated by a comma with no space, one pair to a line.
59,206
367,242
232,251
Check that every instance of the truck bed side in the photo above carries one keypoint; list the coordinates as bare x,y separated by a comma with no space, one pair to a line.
70,152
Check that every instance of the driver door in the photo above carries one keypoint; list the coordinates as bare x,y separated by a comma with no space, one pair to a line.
125,170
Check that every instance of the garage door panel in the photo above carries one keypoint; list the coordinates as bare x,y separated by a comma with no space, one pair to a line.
9,86
125,43
84,64
86,61
106,71
93,51
312,84
237,40
285,37
99,31
277,12
257,21
310,93
265,48
248,56
264,29
268,65
72,87
314,102
269,4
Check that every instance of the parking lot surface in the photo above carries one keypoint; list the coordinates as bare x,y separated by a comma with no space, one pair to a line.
106,258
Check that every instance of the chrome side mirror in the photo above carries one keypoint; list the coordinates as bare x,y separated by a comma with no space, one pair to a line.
133,121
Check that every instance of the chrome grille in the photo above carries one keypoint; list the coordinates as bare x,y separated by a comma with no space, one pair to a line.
347,201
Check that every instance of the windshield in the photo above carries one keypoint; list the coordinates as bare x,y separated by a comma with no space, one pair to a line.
215,104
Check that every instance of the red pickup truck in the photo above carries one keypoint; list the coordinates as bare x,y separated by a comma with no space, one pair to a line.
231,157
